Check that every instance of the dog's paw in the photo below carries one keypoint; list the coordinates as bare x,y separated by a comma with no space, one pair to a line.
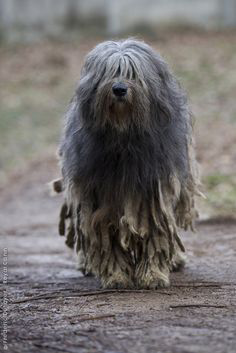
159,283
178,262
117,280
154,283
152,278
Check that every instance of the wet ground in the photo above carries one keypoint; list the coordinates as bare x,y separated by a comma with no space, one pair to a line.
52,308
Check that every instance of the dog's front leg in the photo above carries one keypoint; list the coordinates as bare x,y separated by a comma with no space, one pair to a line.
152,268
107,259
104,255
116,270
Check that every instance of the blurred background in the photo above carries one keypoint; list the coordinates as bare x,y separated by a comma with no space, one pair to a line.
42,46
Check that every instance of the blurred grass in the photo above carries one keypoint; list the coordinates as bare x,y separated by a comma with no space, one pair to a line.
221,194
38,80
27,130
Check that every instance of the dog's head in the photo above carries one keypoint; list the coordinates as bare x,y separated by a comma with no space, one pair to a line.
125,84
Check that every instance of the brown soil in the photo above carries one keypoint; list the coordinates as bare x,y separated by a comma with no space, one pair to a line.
52,308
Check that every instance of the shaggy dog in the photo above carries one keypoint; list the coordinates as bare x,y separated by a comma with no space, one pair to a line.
128,167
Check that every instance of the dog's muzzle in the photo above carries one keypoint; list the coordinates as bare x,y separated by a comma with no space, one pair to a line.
119,89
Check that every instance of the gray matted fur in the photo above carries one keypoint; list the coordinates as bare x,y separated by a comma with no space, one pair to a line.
128,167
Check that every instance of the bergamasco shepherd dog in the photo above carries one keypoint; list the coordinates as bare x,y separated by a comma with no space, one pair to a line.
129,174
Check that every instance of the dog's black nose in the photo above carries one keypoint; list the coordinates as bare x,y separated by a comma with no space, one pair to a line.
119,89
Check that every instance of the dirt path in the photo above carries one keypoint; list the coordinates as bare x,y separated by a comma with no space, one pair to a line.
53,309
